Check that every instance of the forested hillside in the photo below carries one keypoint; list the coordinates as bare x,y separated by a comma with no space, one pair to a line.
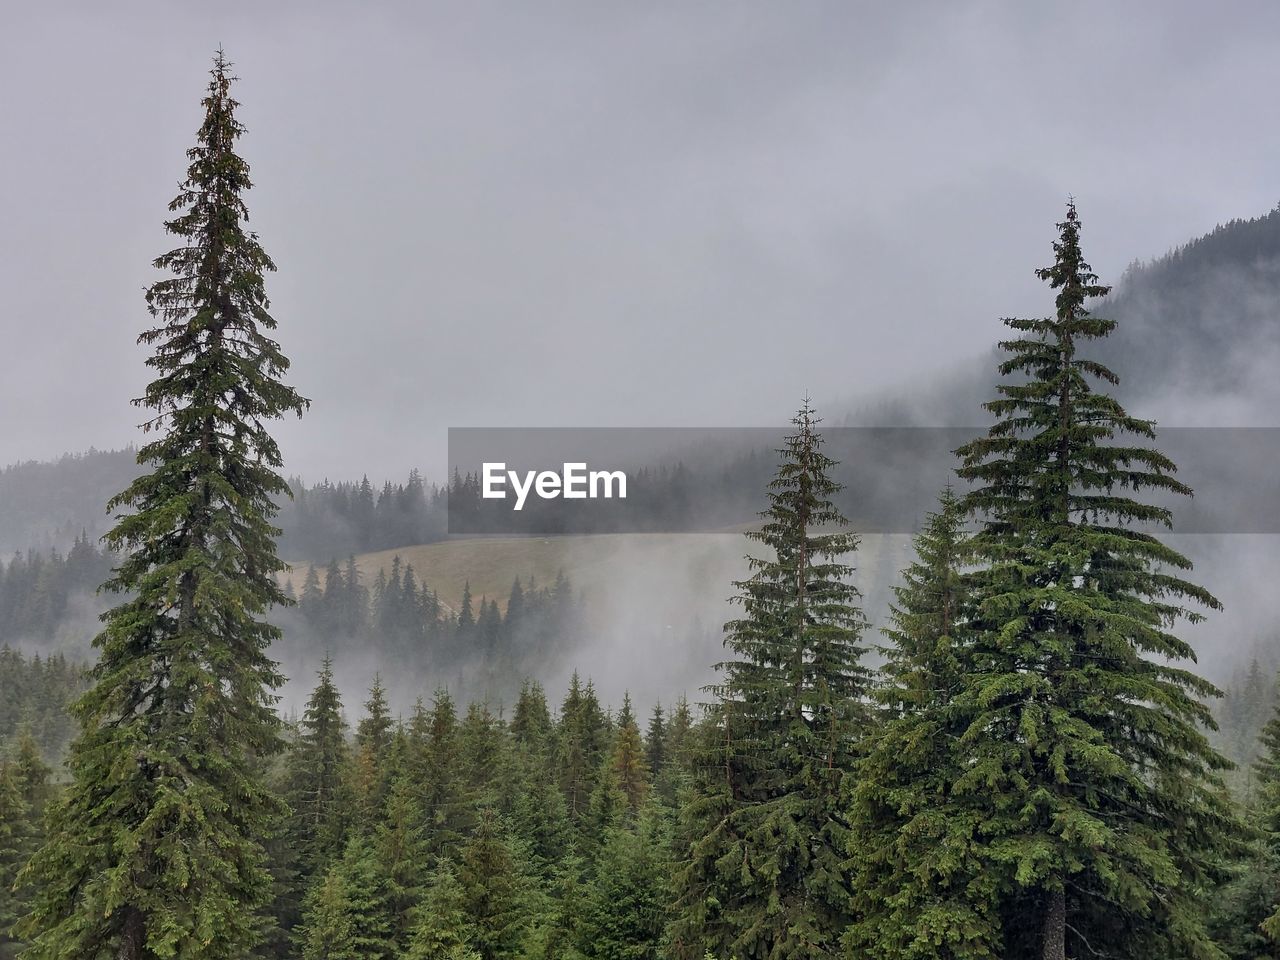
1005,746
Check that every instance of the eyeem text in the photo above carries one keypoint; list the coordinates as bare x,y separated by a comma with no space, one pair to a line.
574,482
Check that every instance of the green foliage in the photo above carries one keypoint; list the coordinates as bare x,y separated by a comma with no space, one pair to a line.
1103,813
401,854
442,930
627,906
35,694
348,913
765,874
920,890
156,848
319,793
17,838
494,895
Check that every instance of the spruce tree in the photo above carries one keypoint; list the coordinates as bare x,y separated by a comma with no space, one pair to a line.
351,898
626,909
1086,731
329,928
764,874
155,850
16,831
442,930
1266,802
627,766
655,740
401,855
319,794
493,890
920,890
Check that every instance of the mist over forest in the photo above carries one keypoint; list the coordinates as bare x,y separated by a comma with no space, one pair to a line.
925,356
1195,345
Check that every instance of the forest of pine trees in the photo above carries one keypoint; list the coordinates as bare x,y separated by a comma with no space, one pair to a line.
1024,763
401,619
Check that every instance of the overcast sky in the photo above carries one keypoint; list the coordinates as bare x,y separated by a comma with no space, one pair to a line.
604,213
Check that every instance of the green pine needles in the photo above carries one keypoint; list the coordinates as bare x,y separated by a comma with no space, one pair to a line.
766,873
155,850
1084,748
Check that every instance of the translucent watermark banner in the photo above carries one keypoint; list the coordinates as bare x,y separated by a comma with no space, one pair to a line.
540,481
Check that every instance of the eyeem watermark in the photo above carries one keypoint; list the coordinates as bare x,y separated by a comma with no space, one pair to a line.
686,479
574,482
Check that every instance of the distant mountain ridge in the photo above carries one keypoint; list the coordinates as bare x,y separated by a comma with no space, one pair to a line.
1200,323
1194,326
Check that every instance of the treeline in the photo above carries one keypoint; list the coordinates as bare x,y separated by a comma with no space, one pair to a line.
49,504
25,791
44,595
466,833
402,620
337,519
35,692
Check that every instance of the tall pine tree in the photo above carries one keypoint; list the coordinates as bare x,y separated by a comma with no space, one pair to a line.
155,850
765,874
1086,732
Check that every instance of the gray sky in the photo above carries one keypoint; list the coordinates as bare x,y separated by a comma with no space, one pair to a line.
604,213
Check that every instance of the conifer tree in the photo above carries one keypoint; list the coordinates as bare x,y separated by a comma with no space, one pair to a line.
442,930
493,890
581,745
655,740
374,738
156,848
401,854
1266,771
318,792
920,890
1086,732
764,874
16,831
445,800
351,900
628,768
328,932
531,720
626,909
33,774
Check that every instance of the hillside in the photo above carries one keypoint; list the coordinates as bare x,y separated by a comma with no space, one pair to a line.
676,576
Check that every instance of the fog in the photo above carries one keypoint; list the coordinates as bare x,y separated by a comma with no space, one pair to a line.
574,214
579,214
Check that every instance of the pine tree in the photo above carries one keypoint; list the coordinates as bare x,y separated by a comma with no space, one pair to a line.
16,831
155,850
1085,732
328,932
442,930
626,909
349,903
920,890
765,874
493,891
318,792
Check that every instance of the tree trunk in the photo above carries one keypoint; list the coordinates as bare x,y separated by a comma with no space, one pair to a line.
1055,926
133,936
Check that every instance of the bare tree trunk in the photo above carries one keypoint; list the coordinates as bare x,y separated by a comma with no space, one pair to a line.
133,937
1055,926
